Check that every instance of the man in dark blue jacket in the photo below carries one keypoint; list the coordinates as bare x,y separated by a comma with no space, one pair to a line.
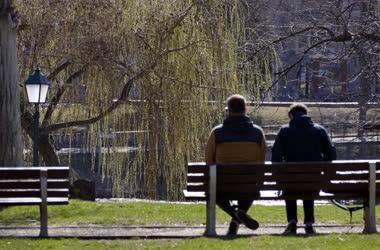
301,140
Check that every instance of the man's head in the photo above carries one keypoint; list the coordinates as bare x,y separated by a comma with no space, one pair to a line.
297,109
236,105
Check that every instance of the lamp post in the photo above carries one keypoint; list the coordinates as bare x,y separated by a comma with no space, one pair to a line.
37,86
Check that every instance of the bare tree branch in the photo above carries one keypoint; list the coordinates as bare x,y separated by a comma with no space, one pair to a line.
370,36
58,70
123,96
178,21
182,48
58,95
287,69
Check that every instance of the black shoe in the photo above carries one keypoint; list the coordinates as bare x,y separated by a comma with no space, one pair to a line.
246,220
233,228
309,229
291,229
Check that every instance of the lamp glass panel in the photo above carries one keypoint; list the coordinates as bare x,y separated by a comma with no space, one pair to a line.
44,90
33,92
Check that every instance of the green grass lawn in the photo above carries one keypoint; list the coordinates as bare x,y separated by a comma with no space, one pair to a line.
144,213
153,213
331,241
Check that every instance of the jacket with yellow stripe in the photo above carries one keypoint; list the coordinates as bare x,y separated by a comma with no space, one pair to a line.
236,140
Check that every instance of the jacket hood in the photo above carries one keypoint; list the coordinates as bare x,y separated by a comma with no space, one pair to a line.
301,121
238,123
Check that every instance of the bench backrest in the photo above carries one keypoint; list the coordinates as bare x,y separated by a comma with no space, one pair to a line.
23,184
315,180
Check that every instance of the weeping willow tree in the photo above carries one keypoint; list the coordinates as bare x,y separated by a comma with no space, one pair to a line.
163,68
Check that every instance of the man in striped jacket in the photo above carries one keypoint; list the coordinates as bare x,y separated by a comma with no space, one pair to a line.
236,140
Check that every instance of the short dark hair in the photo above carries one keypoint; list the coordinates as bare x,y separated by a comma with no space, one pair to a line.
236,104
297,109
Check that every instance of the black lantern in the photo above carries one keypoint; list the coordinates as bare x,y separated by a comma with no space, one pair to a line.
37,86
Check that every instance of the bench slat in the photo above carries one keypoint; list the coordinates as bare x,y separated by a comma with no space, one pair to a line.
296,187
243,196
293,196
33,173
290,177
322,166
18,193
197,168
33,201
345,187
243,188
197,179
286,178
194,195
32,184
236,169
300,167
351,176
238,196
349,196
236,178
357,166
197,188
19,174
57,173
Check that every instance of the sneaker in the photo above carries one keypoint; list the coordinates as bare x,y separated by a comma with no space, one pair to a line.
309,229
246,220
291,229
233,228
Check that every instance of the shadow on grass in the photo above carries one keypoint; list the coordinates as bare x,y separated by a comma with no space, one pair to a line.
244,236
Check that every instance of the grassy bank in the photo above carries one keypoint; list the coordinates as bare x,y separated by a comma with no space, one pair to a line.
152,213
279,115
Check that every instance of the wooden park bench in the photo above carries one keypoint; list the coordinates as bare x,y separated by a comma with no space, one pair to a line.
34,186
339,180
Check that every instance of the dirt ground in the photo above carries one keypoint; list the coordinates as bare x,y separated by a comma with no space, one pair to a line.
159,231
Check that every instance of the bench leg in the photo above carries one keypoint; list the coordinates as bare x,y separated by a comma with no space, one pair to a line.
370,209
43,206
211,203
43,221
369,221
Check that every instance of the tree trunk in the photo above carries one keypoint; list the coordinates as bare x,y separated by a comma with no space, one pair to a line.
47,151
11,147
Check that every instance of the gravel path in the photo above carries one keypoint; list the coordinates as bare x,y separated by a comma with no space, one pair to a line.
158,231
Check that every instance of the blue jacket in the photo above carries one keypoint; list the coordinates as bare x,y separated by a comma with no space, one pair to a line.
302,140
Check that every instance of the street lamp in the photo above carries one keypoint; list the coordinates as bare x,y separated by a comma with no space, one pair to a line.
37,86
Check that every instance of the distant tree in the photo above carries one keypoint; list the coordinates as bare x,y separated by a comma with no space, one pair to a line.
11,149
329,49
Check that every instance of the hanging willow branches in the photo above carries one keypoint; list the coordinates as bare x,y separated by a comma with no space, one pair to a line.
173,56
